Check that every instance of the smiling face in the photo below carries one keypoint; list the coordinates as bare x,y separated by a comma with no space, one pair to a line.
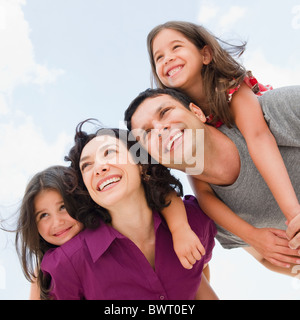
171,133
109,172
54,223
177,60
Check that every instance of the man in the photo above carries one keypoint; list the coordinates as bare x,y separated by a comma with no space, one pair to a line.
174,132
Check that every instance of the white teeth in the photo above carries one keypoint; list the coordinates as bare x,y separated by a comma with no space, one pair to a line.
109,181
169,145
173,71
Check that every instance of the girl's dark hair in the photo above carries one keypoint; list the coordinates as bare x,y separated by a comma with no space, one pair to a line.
30,246
223,72
156,179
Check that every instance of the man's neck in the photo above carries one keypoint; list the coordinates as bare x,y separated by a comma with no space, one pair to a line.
221,158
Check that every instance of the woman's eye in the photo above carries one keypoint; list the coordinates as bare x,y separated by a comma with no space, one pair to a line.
84,166
109,152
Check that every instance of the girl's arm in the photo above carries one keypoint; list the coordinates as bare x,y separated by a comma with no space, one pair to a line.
205,291
263,149
271,243
186,243
35,293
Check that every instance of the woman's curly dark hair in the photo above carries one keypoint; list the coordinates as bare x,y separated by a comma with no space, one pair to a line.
157,180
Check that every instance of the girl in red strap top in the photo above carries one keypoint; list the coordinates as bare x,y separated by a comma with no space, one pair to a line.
187,57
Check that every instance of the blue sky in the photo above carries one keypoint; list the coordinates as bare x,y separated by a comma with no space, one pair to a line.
62,61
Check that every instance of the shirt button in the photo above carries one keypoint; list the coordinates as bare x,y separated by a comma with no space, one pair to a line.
161,297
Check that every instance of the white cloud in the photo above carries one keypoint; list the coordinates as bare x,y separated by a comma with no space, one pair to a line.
221,20
207,11
25,151
268,73
3,105
17,60
234,14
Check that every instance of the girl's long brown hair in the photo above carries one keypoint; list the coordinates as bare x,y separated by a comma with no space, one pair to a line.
30,246
223,73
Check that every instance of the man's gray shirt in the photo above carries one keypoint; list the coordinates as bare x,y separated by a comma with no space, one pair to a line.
249,196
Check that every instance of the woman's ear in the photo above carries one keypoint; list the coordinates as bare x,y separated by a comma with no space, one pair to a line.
197,112
207,54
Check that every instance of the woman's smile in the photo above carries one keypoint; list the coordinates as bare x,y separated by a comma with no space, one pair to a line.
108,182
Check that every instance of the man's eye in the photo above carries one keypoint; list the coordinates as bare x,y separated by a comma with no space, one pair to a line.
145,134
164,111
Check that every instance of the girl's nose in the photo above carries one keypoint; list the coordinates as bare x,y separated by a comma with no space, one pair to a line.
168,58
58,220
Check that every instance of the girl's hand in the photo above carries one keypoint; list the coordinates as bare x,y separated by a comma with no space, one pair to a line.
293,232
187,246
273,245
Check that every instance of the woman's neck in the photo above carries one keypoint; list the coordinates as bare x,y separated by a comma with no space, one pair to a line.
133,218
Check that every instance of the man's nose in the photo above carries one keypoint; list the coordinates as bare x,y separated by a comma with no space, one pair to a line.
161,128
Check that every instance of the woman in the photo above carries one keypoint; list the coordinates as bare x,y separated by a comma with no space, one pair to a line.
129,255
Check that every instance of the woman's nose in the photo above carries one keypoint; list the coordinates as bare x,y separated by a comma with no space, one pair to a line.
100,168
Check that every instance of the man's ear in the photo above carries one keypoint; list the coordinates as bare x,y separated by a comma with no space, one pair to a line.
197,112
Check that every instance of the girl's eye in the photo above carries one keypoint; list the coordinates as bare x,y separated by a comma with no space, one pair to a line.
42,216
158,58
176,47
62,207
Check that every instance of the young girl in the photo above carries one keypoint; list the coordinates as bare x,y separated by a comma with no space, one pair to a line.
44,222
187,57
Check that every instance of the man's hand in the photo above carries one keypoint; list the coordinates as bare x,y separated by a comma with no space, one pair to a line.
273,245
293,232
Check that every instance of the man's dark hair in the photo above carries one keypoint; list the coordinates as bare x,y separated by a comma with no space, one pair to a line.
152,93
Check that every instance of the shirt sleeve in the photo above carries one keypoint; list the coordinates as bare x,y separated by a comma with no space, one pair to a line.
65,283
202,225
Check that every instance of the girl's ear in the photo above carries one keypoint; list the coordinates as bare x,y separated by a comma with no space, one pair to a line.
207,55
197,112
